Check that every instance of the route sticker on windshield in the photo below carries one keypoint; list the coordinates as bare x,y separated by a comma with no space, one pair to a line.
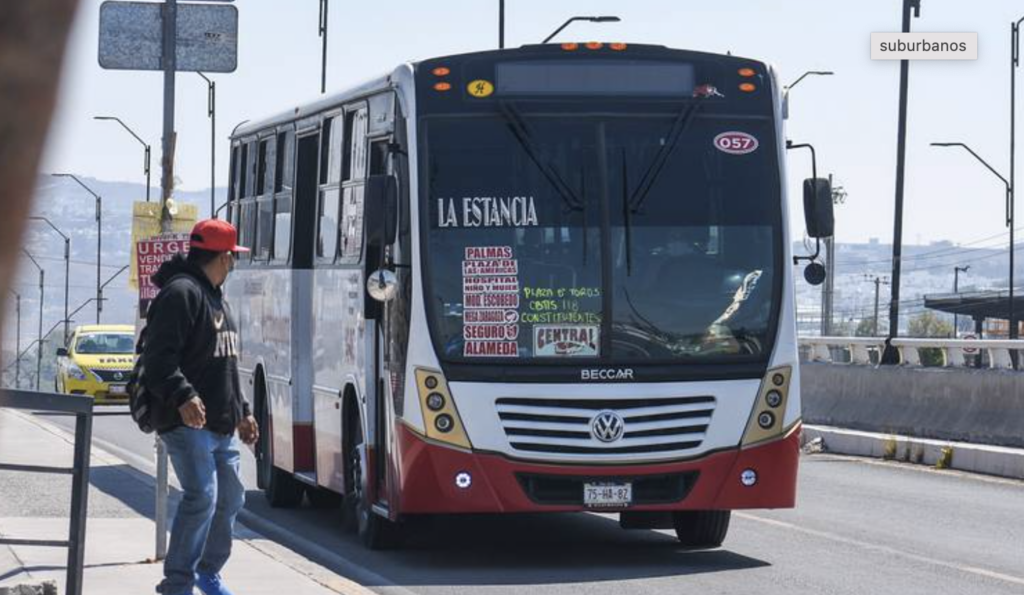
735,143
566,340
490,302
501,284
490,316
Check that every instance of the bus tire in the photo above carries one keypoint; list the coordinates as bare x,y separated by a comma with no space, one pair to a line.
701,529
281,489
375,531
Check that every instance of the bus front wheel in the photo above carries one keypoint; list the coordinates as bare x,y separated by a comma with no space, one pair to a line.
280,488
701,529
375,531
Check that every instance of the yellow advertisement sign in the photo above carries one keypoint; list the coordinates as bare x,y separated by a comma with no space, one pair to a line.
146,224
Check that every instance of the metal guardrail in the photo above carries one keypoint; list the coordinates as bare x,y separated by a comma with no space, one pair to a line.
955,353
81,407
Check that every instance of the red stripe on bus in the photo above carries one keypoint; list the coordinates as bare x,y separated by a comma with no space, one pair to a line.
302,446
428,471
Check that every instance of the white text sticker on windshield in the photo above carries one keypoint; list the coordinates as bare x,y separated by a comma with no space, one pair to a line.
735,143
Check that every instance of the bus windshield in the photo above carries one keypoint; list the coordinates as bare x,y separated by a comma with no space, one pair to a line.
611,238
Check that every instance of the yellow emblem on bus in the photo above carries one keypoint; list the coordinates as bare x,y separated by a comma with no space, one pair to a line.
480,88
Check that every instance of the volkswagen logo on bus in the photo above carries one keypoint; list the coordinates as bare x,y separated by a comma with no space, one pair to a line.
607,426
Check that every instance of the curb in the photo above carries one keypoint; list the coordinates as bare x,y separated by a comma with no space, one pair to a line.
962,456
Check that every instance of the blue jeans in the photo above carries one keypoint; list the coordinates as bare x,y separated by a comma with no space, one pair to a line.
207,466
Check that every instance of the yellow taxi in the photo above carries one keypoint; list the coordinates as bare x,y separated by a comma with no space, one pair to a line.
97,361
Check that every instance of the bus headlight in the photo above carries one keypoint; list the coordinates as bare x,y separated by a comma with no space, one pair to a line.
441,419
766,419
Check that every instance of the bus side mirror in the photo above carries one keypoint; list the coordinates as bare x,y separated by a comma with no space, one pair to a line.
62,352
818,208
380,209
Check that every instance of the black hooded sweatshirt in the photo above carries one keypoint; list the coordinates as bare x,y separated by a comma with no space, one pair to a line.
190,348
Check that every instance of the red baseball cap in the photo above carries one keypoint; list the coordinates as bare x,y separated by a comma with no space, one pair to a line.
215,235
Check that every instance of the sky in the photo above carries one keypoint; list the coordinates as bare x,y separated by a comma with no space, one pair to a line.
850,118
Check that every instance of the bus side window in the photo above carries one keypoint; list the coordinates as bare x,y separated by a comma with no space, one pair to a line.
265,201
354,172
284,175
232,214
243,172
330,195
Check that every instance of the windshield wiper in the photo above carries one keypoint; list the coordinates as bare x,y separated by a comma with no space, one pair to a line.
515,123
627,216
654,170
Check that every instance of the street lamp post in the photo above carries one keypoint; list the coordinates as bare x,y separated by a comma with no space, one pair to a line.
1009,221
138,138
956,289
501,24
17,341
604,19
323,36
99,239
211,111
42,283
911,8
1014,63
67,269
789,87
99,295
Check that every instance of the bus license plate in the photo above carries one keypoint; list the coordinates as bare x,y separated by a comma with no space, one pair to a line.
607,495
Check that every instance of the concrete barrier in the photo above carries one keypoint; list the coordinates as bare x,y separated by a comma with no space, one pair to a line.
956,404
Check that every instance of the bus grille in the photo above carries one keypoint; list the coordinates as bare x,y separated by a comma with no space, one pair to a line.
563,426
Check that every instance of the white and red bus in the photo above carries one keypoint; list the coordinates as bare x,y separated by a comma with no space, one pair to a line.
552,278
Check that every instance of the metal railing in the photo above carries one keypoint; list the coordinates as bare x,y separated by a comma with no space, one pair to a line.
81,407
950,353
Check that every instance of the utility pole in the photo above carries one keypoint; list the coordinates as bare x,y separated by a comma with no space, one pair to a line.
170,64
323,36
890,356
956,289
17,342
501,24
211,111
878,281
39,341
1014,63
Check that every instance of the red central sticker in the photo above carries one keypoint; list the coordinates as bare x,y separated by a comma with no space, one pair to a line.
735,143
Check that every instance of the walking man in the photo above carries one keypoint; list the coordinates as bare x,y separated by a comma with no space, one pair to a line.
190,353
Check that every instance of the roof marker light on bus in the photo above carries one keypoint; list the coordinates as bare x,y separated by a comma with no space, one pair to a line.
748,87
594,45
442,87
618,47
747,72
570,47
441,71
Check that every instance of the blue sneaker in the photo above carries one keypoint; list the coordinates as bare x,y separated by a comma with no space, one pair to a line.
210,584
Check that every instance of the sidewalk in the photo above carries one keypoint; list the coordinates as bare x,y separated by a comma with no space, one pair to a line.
120,534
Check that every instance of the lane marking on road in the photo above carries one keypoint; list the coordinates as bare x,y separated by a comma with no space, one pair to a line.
884,549
919,468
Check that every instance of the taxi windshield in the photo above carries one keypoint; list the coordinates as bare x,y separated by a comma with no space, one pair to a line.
105,343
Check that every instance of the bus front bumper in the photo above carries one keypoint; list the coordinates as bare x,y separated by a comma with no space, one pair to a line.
431,476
